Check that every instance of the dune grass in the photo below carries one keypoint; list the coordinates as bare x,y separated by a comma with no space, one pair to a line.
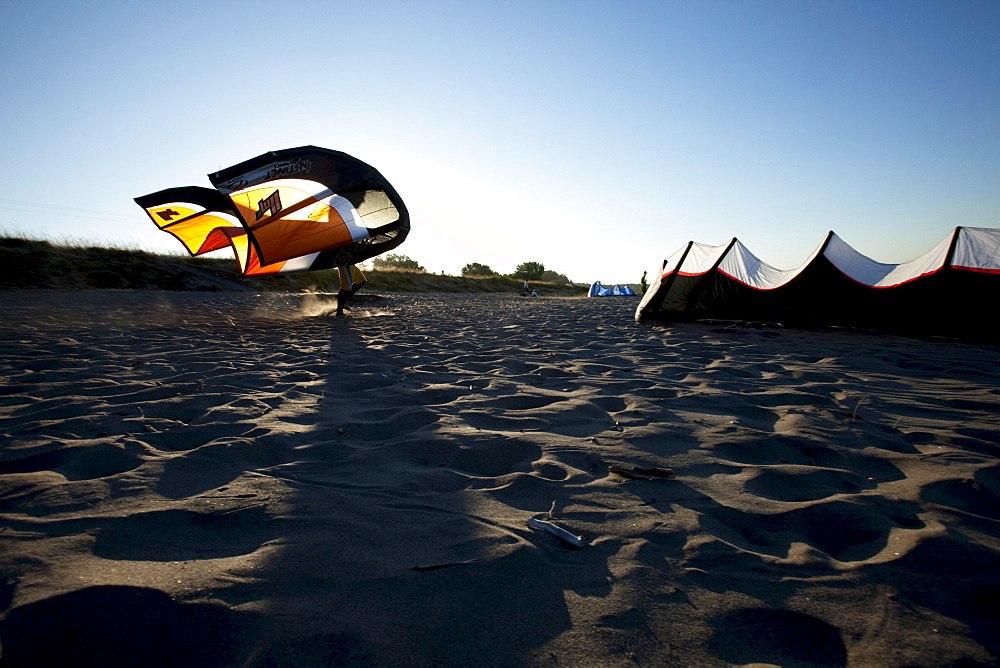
39,263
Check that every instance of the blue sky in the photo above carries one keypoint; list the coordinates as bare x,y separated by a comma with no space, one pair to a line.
594,137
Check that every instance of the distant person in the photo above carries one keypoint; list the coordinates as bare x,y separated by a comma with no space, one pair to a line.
352,279
527,288
534,293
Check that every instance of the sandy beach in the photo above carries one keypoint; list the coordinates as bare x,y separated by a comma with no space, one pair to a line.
235,479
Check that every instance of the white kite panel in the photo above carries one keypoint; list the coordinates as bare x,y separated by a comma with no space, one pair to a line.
867,271
977,248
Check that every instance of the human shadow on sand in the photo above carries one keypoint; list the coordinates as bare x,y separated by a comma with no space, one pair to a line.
377,542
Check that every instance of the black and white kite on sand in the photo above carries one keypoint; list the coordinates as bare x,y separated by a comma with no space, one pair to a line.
298,209
952,290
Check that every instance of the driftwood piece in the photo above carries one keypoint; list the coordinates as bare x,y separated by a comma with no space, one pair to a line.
555,530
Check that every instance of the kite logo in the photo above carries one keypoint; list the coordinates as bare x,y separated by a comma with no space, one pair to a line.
167,214
289,167
270,204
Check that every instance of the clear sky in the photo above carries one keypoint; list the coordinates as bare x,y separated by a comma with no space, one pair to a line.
594,137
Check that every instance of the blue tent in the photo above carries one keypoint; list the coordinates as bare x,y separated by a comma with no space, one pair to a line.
598,290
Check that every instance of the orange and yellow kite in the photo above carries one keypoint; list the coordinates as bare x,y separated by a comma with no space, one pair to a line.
299,209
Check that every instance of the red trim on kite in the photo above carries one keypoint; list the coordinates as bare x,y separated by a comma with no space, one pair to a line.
873,287
752,287
978,270
894,285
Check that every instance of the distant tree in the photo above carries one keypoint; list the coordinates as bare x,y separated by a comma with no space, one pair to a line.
531,271
393,261
552,277
477,269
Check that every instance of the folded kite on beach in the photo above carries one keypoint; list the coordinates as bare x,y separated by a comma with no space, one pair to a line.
946,291
298,209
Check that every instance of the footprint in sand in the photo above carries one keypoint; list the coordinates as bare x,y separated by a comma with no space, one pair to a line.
776,637
848,531
78,462
482,455
122,625
181,535
964,495
779,450
537,413
805,483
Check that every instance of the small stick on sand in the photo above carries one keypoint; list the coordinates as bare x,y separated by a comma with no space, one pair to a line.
642,473
437,567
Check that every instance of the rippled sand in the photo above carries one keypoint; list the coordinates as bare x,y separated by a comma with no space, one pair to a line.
239,479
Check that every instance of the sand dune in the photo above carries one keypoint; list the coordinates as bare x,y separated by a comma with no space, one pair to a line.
242,479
